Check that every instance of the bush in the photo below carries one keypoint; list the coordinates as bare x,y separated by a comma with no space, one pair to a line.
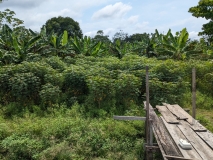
74,86
101,95
49,95
21,146
24,87
127,91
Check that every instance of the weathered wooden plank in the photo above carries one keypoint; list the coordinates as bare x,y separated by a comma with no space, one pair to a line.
207,137
167,115
196,126
129,118
176,134
159,144
177,112
178,158
181,114
165,139
200,146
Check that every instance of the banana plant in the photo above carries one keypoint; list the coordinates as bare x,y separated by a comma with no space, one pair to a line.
61,45
22,48
119,49
16,44
147,46
6,45
175,47
86,46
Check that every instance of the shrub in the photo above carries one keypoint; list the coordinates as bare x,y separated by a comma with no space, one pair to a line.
74,86
101,95
49,95
127,91
56,63
21,146
24,87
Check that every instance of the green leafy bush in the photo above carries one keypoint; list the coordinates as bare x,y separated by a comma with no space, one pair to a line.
56,63
101,95
49,94
24,87
74,86
127,91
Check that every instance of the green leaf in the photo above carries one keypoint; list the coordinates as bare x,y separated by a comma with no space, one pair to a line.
65,38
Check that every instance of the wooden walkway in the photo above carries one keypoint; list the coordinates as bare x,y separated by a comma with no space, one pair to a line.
175,124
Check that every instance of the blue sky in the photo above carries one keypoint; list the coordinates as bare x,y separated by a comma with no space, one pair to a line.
111,16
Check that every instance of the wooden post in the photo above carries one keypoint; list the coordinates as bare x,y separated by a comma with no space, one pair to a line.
148,126
151,134
147,107
194,93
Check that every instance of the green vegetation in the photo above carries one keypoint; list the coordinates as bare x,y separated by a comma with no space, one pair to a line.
204,10
59,90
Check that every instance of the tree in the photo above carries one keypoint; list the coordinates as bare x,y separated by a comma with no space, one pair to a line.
7,17
120,35
101,37
204,9
137,37
59,24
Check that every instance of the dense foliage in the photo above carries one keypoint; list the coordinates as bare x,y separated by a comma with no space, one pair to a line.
59,24
58,90
204,9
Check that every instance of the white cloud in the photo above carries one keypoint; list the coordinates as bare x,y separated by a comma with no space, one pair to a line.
194,35
91,33
117,10
36,21
23,4
133,19
108,31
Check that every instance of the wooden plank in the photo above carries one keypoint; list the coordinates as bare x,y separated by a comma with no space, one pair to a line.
176,134
167,115
207,137
178,158
165,139
196,126
159,144
181,114
177,111
200,146
127,118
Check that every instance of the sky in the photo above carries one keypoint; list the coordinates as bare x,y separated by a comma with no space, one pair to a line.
111,16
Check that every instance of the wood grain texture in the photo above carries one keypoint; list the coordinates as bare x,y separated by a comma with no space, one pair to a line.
159,144
129,118
183,115
176,134
179,113
199,145
207,137
167,115
166,141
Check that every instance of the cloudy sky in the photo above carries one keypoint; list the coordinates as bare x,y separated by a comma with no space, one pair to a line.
111,16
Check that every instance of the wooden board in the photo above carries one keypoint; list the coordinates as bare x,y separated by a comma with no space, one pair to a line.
129,118
196,126
207,137
165,139
176,134
178,158
199,145
181,114
167,115
159,144
177,111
